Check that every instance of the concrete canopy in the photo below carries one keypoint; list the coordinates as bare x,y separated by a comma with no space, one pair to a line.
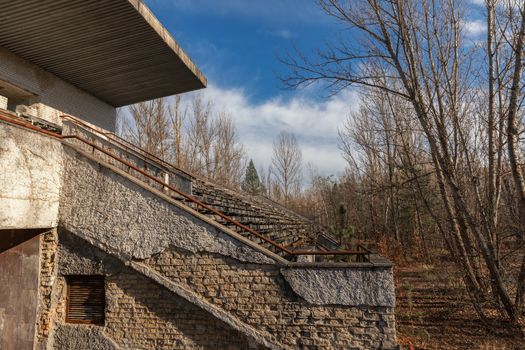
115,50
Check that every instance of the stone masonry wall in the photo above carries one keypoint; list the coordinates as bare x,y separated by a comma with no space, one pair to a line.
108,208
260,296
140,314
48,271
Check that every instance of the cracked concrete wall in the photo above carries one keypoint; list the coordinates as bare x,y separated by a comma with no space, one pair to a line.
30,178
53,96
356,286
106,207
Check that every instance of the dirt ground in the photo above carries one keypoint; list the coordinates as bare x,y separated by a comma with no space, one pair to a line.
434,312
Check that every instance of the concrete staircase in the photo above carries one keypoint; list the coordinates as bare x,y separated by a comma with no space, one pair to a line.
263,221
259,219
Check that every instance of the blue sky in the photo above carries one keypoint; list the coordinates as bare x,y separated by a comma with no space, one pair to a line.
236,44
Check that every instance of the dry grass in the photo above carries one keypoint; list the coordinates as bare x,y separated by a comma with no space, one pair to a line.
434,312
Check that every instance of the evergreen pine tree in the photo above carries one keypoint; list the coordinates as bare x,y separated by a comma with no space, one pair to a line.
251,183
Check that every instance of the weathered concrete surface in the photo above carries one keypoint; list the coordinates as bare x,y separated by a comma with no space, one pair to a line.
106,207
52,96
358,286
30,178
19,269
81,337
77,257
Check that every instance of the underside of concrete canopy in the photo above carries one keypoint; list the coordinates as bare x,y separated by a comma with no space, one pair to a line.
115,50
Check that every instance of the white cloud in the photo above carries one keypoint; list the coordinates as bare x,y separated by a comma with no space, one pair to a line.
474,28
314,123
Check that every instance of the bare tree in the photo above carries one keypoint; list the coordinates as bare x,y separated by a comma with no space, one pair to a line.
148,126
228,154
286,161
179,143
415,52
196,138
200,136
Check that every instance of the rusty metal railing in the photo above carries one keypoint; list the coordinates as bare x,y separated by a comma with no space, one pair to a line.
361,253
128,146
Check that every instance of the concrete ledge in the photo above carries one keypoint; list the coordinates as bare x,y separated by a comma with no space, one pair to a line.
355,265
366,286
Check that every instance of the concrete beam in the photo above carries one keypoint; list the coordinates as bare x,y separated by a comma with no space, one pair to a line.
115,50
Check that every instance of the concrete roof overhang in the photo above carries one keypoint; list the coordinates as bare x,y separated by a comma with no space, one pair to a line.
115,50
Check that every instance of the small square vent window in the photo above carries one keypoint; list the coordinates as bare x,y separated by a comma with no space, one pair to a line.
86,299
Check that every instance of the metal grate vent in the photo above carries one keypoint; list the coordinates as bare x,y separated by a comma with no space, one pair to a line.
86,300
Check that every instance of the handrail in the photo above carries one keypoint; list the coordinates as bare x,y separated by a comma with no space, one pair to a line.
184,195
125,144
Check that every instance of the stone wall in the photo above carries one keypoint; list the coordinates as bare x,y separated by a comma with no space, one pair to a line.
52,96
48,282
140,314
259,295
108,207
